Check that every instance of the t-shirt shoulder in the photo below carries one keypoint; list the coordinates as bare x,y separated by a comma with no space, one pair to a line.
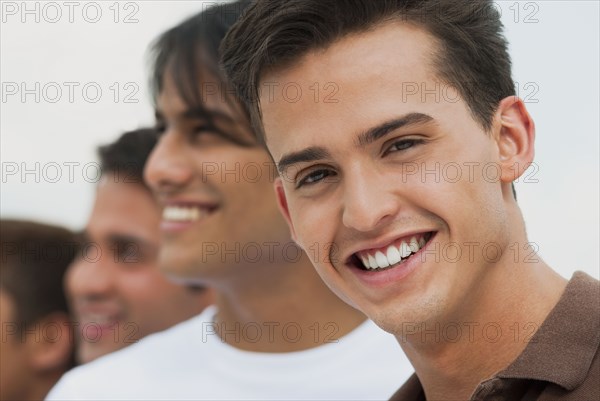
127,362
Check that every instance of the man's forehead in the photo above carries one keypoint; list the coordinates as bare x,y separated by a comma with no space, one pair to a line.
349,79
105,227
117,196
393,45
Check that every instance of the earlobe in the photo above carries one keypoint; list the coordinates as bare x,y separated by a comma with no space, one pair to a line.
283,206
516,138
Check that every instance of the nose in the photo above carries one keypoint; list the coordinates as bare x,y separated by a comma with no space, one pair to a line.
90,276
167,168
369,201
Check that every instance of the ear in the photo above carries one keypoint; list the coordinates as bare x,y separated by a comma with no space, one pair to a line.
515,139
283,205
52,347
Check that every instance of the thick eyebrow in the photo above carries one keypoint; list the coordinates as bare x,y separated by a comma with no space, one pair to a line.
126,239
381,130
198,113
205,114
364,138
83,237
305,155
216,120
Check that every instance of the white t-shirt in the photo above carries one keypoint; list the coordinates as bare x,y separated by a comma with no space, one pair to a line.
190,362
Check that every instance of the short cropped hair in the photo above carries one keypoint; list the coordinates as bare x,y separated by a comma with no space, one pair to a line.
471,54
126,157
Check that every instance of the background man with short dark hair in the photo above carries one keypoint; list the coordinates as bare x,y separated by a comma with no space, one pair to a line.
116,291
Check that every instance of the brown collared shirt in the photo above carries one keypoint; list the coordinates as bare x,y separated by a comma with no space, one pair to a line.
561,362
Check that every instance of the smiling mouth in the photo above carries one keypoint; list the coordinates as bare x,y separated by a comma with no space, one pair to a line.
391,256
186,213
99,318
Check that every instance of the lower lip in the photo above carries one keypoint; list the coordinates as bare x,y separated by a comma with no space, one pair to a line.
395,274
175,226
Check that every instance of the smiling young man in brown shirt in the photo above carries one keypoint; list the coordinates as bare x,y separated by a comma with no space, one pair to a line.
361,104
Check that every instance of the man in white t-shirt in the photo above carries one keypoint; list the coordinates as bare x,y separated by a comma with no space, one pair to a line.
276,331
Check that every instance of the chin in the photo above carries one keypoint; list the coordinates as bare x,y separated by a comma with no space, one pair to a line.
181,276
189,271
176,268
88,354
406,317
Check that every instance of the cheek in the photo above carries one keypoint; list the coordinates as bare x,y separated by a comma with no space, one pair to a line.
314,226
13,369
141,286
246,181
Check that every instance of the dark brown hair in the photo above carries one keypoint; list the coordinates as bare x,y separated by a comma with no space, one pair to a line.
33,261
189,55
472,52
126,157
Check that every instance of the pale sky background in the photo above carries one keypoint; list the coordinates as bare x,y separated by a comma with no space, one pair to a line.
555,51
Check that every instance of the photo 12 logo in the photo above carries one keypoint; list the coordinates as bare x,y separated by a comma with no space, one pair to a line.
69,92
52,12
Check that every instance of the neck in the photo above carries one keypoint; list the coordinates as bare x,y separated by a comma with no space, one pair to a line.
281,307
495,322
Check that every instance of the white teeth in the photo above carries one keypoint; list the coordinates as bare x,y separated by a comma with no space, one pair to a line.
414,245
372,262
404,250
381,259
393,255
365,261
183,213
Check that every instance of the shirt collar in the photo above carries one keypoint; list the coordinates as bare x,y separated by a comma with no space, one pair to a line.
562,349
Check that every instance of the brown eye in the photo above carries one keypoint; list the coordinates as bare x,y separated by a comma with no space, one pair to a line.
126,252
314,177
403,145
